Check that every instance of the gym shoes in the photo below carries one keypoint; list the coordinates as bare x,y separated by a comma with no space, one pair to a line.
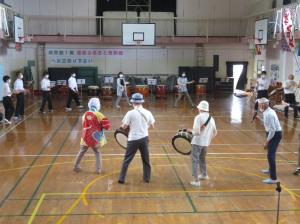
117,106
68,109
195,183
121,182
297,172
269,181
7,121
201,177
265,171
80,107
77,169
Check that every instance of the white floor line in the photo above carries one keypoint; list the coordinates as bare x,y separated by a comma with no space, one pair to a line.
151,154
17,124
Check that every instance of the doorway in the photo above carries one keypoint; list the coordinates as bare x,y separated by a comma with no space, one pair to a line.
238,71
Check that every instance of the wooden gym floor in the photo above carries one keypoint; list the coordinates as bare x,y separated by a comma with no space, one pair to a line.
39,186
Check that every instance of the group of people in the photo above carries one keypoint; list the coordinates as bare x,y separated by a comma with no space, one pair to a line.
19,92
139,120
289,88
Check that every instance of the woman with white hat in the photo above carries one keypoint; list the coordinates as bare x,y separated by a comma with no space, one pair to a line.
204,129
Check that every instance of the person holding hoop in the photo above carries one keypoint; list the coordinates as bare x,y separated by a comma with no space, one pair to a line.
182,82
138,120
121,89
204,130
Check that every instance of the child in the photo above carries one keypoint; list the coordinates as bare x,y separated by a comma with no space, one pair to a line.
204,129
92,135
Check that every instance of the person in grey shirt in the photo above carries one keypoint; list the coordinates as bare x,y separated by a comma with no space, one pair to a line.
121,90
204,129
182,82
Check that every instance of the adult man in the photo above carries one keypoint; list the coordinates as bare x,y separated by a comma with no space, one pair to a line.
121,89
138,120
19,91
289,96
274,135
182,82
46,87
262,86
73,93
204,129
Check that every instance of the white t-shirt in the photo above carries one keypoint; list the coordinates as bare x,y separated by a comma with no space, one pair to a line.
203,137
137,123
290,87
45,84
18,85
6,90
73,84
263,84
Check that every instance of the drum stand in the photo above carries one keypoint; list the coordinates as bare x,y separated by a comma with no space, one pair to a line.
278,189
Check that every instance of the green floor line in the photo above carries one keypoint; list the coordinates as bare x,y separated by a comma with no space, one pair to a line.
49,168
180,181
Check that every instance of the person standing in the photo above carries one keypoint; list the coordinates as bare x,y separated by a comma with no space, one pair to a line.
20,92
204,129
7,102
182,82
73,93
138,120
262,86
46,88
274,135
121,89
94,123
289,96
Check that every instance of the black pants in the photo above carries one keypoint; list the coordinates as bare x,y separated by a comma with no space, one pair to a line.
290,98
20,105
9,107
73,95
132,147
46,98
261,94
272,148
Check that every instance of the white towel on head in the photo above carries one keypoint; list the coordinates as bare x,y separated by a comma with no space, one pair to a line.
94,103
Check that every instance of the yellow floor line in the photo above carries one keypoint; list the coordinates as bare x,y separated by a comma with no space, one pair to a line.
32,217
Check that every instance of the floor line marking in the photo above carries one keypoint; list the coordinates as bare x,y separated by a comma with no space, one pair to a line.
36,209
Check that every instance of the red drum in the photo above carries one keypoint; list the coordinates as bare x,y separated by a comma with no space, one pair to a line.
93,90
106,92
142,89
200,90
161,91
128,91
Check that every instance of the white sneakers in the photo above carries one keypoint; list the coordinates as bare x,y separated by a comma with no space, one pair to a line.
269,181
265,171
201,177
68,109
195,183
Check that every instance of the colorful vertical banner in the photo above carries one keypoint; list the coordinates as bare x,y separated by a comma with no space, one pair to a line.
288,28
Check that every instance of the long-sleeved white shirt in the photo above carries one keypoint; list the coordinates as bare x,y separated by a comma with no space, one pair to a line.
19,86
262,84
45,84
271,123
290,87
6,91
73,84
203,137
182,82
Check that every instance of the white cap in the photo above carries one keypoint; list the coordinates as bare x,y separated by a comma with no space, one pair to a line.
94,103
203,105
263,101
